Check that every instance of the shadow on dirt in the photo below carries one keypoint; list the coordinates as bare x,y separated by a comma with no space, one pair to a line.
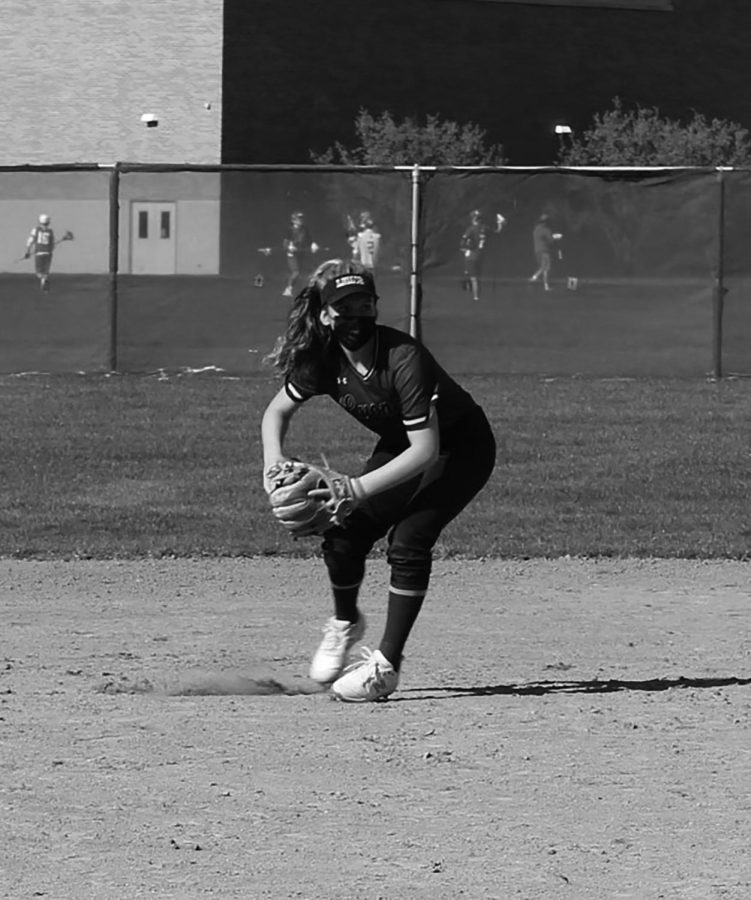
594,686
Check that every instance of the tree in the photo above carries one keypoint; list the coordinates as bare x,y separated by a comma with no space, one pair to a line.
384,141
643,137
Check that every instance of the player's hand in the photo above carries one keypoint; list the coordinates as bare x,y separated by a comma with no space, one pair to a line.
27,254
557,236
314,248
308,499
271,473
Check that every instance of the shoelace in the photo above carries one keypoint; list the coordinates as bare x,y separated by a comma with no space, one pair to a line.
367,659
333,637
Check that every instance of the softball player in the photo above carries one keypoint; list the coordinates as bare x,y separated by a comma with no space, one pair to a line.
435,450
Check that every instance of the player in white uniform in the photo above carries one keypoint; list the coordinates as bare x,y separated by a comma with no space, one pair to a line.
365,241
41,243
368,248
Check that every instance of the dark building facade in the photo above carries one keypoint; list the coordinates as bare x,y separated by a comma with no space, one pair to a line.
296,74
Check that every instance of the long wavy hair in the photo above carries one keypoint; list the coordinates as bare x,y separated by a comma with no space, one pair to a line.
307,341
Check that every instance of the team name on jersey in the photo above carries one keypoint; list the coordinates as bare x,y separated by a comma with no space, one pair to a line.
367,411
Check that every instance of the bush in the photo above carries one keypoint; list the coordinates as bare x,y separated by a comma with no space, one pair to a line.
384,141
642,137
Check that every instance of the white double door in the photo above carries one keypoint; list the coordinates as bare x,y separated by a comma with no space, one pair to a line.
152,238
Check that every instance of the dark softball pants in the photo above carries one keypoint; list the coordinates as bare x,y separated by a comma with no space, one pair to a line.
413,521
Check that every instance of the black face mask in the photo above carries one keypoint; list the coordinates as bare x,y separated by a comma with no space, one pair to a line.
355,332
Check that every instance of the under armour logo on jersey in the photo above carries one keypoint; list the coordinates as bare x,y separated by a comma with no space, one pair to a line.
341,379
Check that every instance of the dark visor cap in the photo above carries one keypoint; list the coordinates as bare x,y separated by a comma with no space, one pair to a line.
342,286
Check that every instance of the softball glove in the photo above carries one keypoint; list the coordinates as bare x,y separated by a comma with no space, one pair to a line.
308,499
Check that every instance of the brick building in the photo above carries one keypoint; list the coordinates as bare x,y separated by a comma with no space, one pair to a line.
78,75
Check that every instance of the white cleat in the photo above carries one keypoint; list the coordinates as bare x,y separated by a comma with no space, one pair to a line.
339,637
373,678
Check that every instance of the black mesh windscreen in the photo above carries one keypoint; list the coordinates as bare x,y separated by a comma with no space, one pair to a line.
551,272
216,289
631,261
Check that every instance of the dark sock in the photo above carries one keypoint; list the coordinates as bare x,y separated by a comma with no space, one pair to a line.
345,603
401,615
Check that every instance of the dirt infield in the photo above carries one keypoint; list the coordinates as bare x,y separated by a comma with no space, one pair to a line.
564,729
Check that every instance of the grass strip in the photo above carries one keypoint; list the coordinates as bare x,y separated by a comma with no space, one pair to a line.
170,465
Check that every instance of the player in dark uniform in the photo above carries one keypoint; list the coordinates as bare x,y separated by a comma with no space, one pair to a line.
41,243
435,451
543,240
472,245
297,244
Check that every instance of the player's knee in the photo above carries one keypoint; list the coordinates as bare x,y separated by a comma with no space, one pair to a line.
344,557
410,567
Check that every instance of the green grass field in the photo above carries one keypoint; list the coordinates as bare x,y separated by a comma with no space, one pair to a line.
134,466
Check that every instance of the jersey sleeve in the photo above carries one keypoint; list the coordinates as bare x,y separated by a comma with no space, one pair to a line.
415,381
295,392
304,383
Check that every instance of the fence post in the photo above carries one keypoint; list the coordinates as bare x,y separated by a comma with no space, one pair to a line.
720,290
114,247
415,287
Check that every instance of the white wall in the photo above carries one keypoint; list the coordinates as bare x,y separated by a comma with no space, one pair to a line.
79,202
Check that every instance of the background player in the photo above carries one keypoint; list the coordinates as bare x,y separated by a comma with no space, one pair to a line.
543,241
41,244
473,243
435,451
297,244
367,243
364,240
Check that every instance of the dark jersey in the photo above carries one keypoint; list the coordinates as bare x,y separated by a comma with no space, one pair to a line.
542,238
396,396
474,238
298,240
